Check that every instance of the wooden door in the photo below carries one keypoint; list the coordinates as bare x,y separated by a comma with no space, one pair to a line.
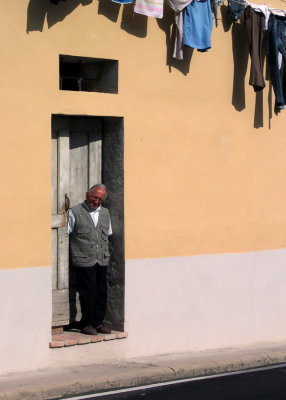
76,165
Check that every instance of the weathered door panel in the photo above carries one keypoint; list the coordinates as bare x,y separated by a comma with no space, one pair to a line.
76,165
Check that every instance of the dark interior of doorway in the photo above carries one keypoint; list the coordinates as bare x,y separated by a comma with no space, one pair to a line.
113,178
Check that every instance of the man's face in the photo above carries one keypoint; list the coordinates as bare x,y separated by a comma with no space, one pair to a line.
95,200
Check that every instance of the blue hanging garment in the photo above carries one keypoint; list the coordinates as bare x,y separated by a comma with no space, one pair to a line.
123,1
275,43
198,24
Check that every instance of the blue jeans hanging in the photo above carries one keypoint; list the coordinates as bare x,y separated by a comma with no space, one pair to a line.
235,9
275,43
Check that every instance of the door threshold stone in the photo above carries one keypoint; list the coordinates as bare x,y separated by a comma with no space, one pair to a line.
73,338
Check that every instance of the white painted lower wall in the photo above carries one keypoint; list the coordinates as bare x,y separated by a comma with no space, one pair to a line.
172,305
205,302
25,318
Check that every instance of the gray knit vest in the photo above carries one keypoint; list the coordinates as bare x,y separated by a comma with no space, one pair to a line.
89,244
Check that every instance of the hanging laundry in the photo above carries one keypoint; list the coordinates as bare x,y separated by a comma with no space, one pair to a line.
282,13
178,6
123,1
198,24
235,9
254,23
280,60
275,43
264,9
151,8
178,44
277,12
214,7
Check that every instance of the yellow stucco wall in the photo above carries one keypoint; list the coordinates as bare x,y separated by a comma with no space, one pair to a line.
199,177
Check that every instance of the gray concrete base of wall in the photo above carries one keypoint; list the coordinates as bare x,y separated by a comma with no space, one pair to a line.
95,378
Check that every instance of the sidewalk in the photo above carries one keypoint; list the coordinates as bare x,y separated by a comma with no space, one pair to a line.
84,379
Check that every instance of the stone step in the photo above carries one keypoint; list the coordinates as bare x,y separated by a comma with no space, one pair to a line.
73,338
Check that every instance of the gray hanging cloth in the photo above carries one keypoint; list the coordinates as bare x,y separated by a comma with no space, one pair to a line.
178,6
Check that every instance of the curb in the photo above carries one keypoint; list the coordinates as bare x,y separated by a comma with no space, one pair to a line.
96,378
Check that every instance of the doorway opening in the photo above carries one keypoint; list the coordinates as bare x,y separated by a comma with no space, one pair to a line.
86,151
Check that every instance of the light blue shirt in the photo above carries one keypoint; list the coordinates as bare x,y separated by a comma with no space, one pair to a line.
123,1
198,24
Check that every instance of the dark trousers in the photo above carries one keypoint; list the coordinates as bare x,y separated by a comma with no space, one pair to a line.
254,23
92,288
276,42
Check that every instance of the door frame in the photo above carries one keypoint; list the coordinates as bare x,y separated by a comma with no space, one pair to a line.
113,178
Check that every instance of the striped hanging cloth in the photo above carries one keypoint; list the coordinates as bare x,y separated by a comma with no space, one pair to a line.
151,8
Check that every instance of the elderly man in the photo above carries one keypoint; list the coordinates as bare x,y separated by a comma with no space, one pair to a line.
89,227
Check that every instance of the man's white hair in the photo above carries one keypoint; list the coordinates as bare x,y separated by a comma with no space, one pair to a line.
99,186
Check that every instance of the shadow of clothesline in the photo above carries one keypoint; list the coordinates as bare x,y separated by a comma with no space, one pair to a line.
133,23
39,10
136,24
166,24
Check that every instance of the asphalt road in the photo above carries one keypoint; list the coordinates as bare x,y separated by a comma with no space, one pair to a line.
259,384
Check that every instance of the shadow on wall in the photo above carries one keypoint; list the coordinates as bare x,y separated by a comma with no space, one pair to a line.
166,24
136,24
38,10
131,22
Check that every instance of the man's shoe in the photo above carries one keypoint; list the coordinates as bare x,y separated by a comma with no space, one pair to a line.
102,329
89,330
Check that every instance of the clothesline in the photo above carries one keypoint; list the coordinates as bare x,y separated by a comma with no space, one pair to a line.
194,26
194,23
246,3
154,8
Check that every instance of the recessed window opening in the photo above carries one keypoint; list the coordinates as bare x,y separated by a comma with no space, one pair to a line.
88,74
